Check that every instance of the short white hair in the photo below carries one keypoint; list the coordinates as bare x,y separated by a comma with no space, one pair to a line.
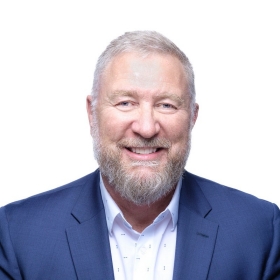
144,43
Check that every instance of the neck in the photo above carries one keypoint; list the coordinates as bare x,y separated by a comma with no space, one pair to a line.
139,216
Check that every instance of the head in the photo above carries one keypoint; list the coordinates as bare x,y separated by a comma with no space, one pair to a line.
142,110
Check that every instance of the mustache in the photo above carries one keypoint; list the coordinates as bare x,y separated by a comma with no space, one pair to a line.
144,143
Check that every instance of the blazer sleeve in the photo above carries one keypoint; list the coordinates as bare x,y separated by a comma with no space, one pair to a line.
8,263
272,270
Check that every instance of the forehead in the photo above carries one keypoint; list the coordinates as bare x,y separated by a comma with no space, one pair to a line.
145,72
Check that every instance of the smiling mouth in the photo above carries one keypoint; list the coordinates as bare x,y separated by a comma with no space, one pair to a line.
143,151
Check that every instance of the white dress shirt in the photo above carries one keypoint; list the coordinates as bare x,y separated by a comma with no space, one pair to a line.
147,255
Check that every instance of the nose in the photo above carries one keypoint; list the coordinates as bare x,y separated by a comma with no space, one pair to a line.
145,124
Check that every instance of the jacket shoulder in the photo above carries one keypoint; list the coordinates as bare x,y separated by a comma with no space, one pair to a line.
224,199
59,200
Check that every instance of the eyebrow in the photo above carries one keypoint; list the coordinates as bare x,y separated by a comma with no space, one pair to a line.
171,96
164,95
124,93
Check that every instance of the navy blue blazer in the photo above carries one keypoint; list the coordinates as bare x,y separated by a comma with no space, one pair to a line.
223,234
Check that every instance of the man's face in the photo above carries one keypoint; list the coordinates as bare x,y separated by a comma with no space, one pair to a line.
141,125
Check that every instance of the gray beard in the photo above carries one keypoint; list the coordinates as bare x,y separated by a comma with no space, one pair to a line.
137,186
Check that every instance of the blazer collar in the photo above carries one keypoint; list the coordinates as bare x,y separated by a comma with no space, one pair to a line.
88,240
192,197
196,235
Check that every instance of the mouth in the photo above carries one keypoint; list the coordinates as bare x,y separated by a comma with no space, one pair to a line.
143,150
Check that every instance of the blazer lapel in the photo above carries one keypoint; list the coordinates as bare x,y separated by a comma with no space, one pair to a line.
88,240
196,236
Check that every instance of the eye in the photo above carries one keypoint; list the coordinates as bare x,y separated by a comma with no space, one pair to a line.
125,105
166,107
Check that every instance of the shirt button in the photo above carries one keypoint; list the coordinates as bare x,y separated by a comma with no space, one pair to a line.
143,250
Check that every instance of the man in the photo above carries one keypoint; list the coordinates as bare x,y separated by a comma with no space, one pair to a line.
141,216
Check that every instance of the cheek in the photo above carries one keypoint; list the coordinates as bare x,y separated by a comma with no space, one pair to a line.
177,129
113,127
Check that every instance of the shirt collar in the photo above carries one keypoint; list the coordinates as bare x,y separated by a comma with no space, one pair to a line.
112,210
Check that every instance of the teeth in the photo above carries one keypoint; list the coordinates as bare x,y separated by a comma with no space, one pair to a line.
143,150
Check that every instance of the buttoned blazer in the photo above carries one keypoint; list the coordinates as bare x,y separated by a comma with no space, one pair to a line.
62,234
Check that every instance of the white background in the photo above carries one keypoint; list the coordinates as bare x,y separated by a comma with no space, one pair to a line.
47,58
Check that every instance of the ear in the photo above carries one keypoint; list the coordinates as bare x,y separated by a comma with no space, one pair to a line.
89,112
195,114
